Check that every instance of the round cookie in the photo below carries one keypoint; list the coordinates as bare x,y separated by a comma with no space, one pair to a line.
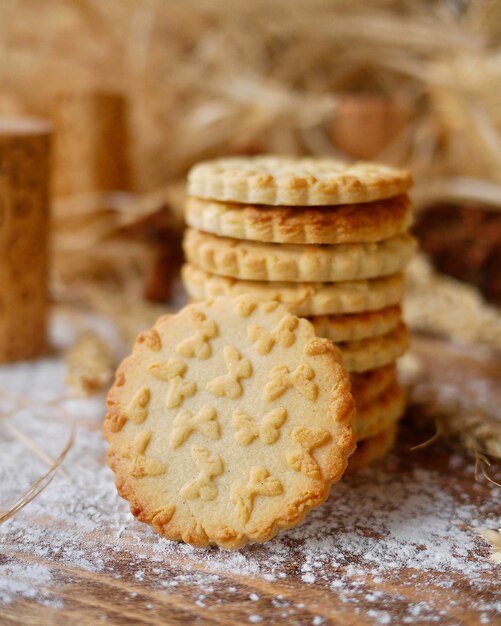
350,223
250,260
228,422
372,352
367,386
372,449
302,299
289,181
380,413
357,326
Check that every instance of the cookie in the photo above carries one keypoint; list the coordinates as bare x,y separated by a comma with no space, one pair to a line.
251,260
372,449
300,298
228,422
367,354
380,413
352,223
289,181
357,325
366,386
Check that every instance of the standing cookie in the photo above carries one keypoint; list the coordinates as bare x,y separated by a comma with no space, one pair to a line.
228,422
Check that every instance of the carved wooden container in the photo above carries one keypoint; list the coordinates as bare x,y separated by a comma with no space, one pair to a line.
24,175
364,125
90,143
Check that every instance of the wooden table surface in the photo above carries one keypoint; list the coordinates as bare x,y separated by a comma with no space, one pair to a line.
395,544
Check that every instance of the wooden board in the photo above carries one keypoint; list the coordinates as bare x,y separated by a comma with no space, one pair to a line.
394,544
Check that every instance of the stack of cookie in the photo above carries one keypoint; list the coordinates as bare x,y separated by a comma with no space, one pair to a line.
327,239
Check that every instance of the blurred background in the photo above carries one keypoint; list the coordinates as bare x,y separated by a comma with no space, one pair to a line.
139,90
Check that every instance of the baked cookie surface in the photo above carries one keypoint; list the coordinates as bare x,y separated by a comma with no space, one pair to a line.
288,181
355,326
372,449
228,422
373,352
380,413
250,260
302,299
351,223
366,386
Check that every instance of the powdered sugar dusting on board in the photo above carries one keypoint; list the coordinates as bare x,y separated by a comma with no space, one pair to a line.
406,525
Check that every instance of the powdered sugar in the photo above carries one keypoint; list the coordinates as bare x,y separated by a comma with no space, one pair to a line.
18,580
384,533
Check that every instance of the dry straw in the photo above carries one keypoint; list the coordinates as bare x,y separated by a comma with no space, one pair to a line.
205,78
208,78
435,303
494,539
90,365
477,431
21,403
39,485
442,306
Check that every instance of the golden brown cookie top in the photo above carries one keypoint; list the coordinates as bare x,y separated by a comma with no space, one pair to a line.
309,298
289,181
347,223
228,422
252,260
357,325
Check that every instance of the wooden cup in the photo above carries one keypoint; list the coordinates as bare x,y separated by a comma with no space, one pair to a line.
365,124
90,143
24,215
